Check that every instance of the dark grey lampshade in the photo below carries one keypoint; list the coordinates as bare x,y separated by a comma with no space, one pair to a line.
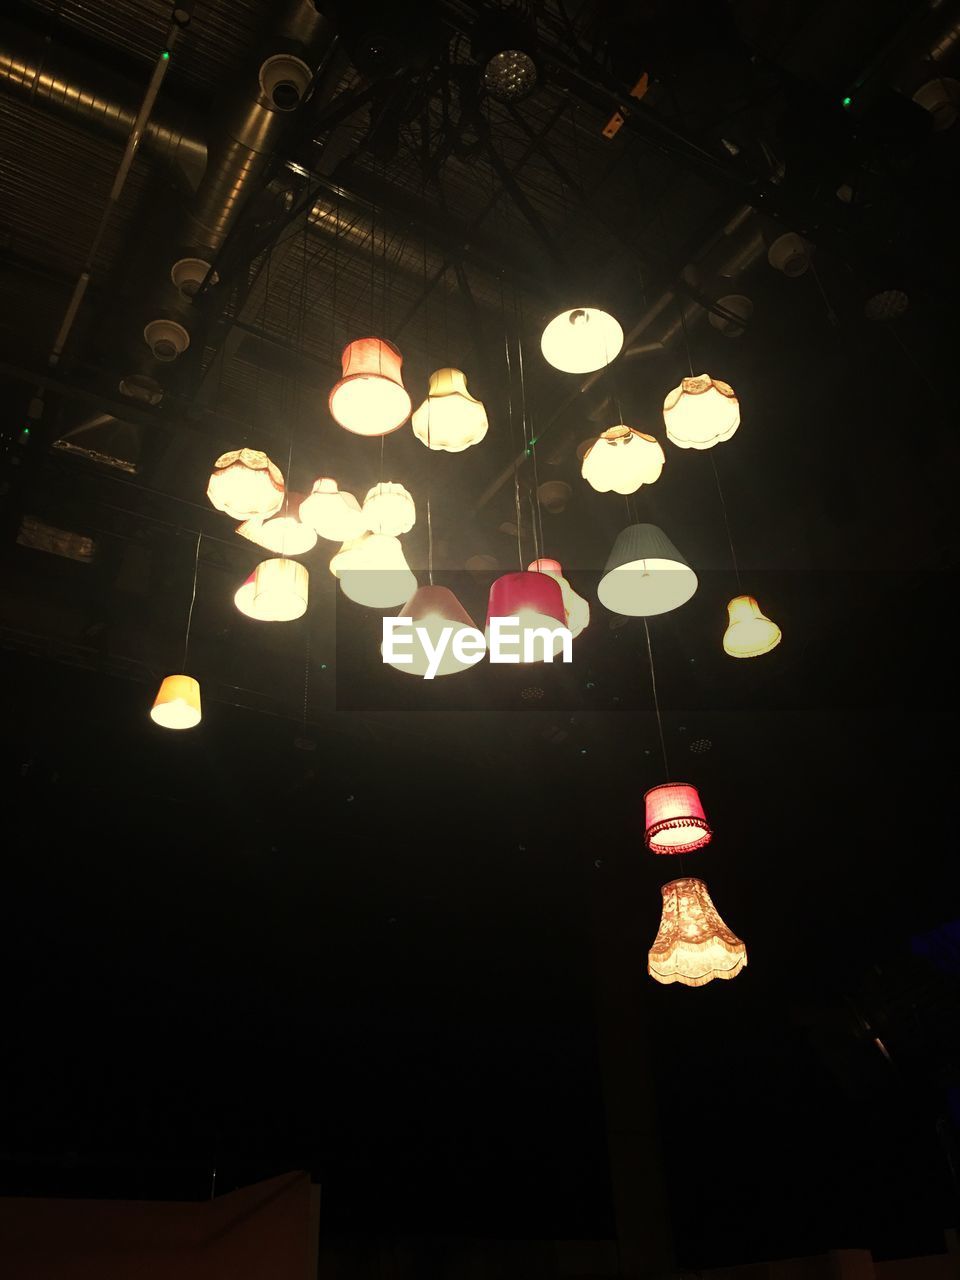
645,574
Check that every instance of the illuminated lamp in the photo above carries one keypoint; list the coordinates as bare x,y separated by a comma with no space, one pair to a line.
450,418
622,460
284,534
388,508
243,598
581,340
749,633
246,485
334,515
675,821
645,574
279,592
370,399
536,600
693,945
700,413
373,571
435,609
177,704
575,608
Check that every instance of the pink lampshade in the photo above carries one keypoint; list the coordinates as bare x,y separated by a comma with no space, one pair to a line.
675,821
370,399
525,595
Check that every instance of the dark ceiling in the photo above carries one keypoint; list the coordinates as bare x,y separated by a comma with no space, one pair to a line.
394,932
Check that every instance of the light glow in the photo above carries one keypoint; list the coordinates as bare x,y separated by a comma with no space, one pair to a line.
370,399
693,944
450,419
701,412
373,571
581,340
246,485
621,460
177,704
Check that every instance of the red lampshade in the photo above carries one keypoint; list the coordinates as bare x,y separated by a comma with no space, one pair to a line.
534,598
675,821
370,399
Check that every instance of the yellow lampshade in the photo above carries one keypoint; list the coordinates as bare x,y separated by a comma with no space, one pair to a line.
388,508
700,413
331,512
284,534
373,571
177,704
749,633
622,460
450,418
581,340
280,589
246,485
693,945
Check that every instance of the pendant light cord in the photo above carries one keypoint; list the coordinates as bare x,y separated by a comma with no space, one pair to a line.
193,597
726,521
429,543
656,702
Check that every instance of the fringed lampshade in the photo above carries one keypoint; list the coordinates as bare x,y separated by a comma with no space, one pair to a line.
434,609
334,514
280,589
645,574
675,821
284,534
693,945
450,418
749,633
370,399
388,508
622,460
177,704
576,609
536,600
581,340
701,412
246,485
373,571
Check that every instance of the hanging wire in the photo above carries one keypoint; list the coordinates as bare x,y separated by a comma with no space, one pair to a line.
429,543
656,702
726,521
529,439
193,597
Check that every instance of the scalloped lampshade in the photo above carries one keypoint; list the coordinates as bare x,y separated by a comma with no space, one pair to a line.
450,418
581,340
645,574
331,512
749,633
693,944
284,534
246,485
177,704
576,609
434,608
674,820
621,460
388,508
701,412
373,571
370,399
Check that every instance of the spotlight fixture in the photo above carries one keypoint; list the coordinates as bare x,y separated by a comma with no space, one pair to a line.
505,46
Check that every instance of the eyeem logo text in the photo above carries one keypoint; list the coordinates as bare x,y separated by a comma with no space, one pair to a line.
428,649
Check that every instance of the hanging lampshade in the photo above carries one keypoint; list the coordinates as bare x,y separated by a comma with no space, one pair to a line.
373,571
177,704
450,418
749,633
535,599
435,609
622,460
333,514
243,598
693,945
246,485
581,340
284,534
370,399
645,574
575,608
388,508
700,413
675,821
279,593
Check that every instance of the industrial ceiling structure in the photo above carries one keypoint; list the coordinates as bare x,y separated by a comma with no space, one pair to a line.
347,869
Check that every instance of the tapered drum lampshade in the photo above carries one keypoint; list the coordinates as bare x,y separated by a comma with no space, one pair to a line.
693,945
177,704
280,590
534,598
434,609
645,574
370,399
675,821
373,571
749,633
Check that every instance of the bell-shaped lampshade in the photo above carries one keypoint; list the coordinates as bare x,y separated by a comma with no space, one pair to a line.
645,574
388,508
280,589
450,418
373,571
334,515
675,821
435,609
693,945
284,534
581,340
177,704
621,460
701,412
246,485
370,399
749,633
536,600
576,609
